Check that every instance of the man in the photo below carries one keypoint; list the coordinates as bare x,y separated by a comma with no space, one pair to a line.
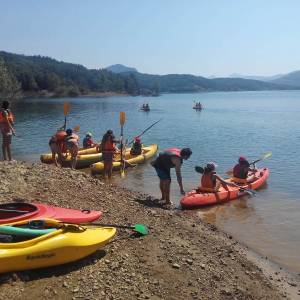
87,141
170,158
7,130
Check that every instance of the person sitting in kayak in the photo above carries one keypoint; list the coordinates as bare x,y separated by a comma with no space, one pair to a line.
136,148
210,181
87,141
241,171
170,158
71,142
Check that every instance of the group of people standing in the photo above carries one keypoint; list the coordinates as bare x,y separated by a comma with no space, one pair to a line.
210,181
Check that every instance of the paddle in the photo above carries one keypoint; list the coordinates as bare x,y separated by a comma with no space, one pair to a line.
267,155
14,210
76,128
67,106
122,122
140,228
144,131
200,170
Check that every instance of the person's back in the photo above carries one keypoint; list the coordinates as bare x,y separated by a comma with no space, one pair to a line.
136,148
165,160
241,169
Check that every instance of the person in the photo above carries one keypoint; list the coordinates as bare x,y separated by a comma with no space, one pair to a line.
136,148
87,141
147,106
71,144
56,144
170,158
241,171
7,129
108,146
210,181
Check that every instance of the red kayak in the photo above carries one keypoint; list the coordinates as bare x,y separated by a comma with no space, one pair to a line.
193,199
13,212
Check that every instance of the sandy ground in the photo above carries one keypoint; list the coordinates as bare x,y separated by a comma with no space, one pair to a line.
181,258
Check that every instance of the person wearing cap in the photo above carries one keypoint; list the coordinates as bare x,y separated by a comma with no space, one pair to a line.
210,181
87,141
170,158
241,171
136,148
71,143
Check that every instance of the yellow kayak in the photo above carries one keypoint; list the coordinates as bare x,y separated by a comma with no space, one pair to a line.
65,244
147,152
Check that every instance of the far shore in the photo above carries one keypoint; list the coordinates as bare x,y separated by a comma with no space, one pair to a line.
181,258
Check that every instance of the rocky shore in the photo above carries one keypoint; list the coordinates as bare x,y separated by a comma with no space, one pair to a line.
181,258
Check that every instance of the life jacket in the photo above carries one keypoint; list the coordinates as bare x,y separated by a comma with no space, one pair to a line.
164,160
136,148
240,171
60,140
108,146
207,183
10,115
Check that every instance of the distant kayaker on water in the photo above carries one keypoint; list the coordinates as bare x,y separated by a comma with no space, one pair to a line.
108,146
71,142
170,158
7,129
88,141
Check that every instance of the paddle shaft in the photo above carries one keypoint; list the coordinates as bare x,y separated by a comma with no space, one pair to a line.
145,130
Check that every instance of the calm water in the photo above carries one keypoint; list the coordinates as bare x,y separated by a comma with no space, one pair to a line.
232,124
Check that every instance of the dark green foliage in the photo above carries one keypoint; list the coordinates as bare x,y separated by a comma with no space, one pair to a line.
44,74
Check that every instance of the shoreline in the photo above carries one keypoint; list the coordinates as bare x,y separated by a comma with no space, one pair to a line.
181,250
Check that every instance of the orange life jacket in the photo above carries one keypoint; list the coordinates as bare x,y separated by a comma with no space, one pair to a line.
109,146
60,140
10,115
207,180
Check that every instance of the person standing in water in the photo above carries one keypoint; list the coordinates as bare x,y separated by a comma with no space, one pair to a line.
7,129
170,158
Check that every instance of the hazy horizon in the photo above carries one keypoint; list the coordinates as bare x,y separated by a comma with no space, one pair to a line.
207,38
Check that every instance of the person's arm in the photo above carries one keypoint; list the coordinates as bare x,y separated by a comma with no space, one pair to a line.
177,162
226,182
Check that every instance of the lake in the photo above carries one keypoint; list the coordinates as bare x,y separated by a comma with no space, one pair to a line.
232,124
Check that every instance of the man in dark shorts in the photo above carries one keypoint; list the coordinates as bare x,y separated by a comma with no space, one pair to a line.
170,158
7,130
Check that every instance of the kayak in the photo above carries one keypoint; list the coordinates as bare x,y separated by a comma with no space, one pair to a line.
193,198
197,108
64,243
84,158
147,153
13,212
145,109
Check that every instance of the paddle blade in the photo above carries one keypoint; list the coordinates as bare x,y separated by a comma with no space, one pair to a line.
267,155
122,118
199,169
76,128
248,191
142,229
66,108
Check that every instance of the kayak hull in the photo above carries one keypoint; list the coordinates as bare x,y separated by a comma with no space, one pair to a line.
65,244
147,153
194,199
9,214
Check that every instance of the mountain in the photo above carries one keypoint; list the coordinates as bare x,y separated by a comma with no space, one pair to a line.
253,77
118,68
292,79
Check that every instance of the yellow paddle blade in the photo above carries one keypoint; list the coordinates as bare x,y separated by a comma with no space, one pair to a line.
122,118
67,106
76,128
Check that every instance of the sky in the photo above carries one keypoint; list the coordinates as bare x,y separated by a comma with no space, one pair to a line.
201,37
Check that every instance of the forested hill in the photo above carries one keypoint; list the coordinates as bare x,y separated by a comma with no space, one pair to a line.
37,75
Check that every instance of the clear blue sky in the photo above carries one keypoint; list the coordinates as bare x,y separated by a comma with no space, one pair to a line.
202,37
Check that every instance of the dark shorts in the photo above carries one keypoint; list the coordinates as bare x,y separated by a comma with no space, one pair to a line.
163,174
6,138
107,156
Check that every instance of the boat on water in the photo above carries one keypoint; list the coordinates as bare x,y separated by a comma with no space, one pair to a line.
145,107
36,244
197,106
195,198
147,153
18,211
